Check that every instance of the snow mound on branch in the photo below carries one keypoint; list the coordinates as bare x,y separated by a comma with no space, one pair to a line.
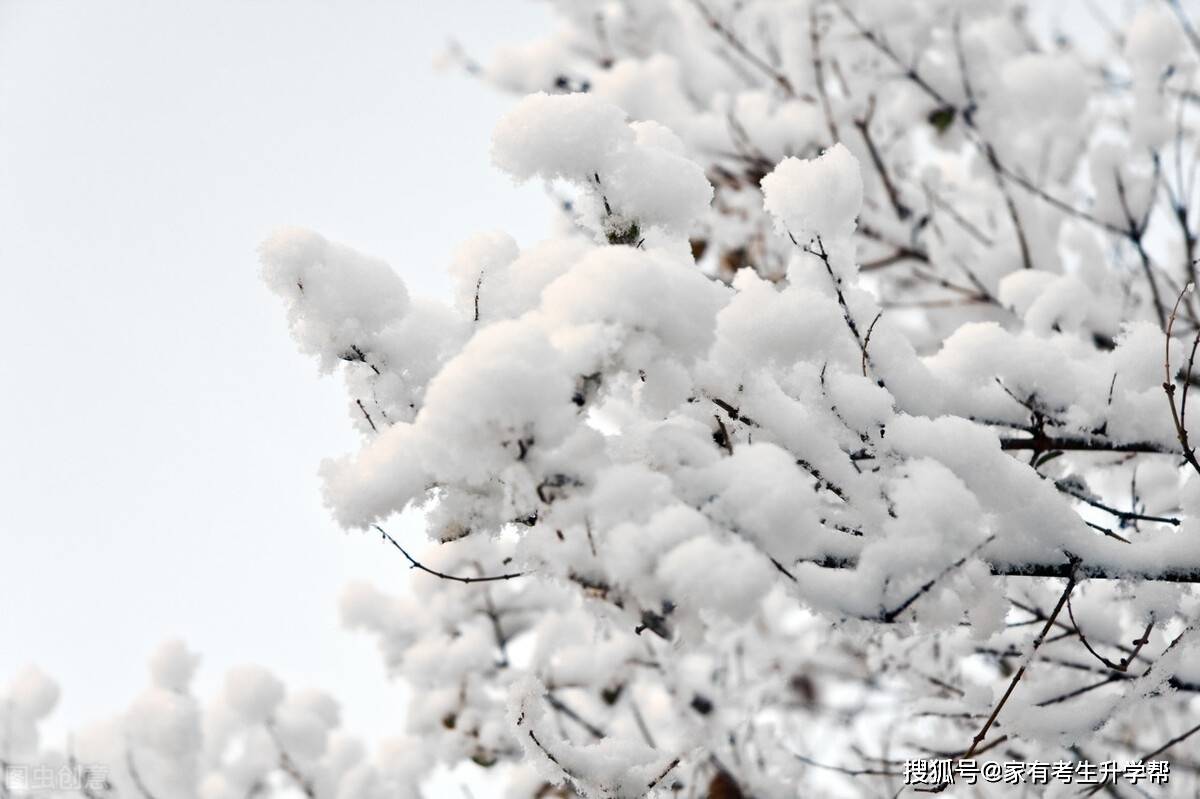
648,305
568,136
172,666
509,281
726,576
337,297
635,175
165,722
505,393
32,694
380,479
818,197
1046,301
482,257
252,692
1153,41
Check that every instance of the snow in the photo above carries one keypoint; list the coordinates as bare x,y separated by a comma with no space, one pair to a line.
733,590
634,175
379,480
32,693
1153,41
572,136
815,197
1045,88
487,256
172,666
617,294
760,437
704,482
252,692
650,89
338,298
507,387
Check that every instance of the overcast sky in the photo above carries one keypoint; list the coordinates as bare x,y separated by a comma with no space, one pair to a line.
160,435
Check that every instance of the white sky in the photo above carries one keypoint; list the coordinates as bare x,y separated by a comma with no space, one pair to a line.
160,436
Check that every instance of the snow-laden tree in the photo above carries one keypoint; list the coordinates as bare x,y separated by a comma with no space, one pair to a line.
255,738
844,421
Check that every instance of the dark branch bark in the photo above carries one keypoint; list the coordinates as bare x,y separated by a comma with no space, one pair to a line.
454,578
1060,570
1045,443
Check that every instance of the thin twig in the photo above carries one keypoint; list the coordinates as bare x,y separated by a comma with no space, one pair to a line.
370,421
741,49
1012,685
867,342
851,772
890,616
422,567
592,730
819,75
1124,664
1169,388
1069,489
864,129
662,776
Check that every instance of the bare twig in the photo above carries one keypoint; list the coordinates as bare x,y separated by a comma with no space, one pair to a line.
850,772
1069,489
422,567
867,342
1129,658
891,615
1046,443
136,775
864,129
366,415
1169,387
819,75
741,49
662,776
1052,569
289,767
560,706
1012,685
478,286
1184,22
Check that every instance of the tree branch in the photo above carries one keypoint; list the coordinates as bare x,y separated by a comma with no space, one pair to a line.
422,567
